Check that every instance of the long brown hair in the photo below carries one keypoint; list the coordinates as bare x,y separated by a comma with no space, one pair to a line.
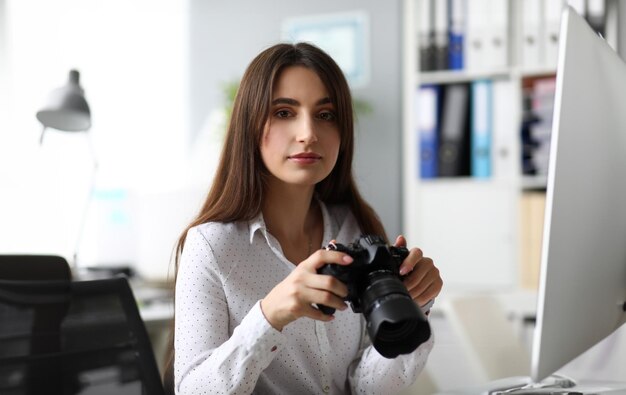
238,187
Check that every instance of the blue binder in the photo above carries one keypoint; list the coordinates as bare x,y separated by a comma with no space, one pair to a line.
427,104
481,128
456,38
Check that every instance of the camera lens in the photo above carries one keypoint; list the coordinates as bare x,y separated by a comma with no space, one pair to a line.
394,322
389,332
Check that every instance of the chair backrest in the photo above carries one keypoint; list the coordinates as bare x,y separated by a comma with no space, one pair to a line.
168,371
34,268
68,337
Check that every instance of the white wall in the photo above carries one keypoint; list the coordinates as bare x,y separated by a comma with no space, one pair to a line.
222,46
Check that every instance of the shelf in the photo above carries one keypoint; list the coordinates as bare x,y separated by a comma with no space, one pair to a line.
461,183
459,76
456,76
539,182
538,72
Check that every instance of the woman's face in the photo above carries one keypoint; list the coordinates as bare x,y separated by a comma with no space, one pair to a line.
301,139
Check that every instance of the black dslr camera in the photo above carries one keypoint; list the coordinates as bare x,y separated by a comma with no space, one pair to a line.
394,322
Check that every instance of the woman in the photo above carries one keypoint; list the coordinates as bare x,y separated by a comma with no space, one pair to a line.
247,265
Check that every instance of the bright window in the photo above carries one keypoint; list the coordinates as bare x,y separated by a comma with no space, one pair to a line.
133,64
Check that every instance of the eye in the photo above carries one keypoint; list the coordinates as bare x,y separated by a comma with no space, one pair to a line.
283,114
326,116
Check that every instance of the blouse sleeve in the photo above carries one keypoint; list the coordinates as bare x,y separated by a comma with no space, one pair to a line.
207,359
371,373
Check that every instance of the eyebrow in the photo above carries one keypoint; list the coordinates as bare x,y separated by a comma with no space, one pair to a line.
293,102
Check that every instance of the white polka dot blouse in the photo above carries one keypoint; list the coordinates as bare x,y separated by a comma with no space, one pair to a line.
224,344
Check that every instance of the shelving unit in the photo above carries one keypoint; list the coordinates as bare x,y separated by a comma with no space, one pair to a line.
471,227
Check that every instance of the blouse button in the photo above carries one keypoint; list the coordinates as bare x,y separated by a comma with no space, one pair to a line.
326,389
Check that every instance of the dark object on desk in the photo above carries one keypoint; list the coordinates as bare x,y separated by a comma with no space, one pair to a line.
99,343
102,271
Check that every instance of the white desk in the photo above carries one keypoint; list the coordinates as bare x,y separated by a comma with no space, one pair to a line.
156,306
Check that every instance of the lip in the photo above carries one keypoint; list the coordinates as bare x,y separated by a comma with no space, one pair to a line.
305,158
305,155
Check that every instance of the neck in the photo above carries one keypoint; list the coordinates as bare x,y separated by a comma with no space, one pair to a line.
286,210
293,218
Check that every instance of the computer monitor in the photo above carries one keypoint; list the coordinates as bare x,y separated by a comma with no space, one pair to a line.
583,264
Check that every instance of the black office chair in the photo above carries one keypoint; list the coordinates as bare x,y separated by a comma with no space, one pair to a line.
63,337
46,319
168,371
34,268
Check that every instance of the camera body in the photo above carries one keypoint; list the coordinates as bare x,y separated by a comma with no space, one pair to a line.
371,257
396,325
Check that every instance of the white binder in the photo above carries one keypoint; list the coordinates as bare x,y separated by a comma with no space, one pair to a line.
532,27
477,35
552,10
497,34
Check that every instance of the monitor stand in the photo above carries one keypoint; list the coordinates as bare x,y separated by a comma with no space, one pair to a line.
555,385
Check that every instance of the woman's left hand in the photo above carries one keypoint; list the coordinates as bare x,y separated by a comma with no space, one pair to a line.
422,277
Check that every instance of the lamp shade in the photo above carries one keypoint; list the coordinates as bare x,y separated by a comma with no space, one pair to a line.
66,108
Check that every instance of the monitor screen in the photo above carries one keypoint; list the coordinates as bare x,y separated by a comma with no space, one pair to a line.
583,265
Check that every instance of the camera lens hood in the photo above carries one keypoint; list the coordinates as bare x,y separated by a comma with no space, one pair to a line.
397,326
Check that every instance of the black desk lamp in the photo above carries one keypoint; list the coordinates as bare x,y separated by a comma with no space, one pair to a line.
67,110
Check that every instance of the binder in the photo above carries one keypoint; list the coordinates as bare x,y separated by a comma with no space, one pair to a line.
552,12
456,39
532,211
476,35
441,34
497,40
531,52
426,35
540,131
481,128
427,105
453,153
505,160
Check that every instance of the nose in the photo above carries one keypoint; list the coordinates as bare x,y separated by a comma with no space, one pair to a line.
306,131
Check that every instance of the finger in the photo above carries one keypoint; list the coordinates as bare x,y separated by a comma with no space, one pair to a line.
328,283
432,277
316,314
321,257
424,268
423,297
326,298
400,241
409,263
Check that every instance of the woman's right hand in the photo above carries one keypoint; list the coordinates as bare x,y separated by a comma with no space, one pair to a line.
293,297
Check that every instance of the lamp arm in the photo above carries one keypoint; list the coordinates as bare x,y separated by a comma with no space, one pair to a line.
43,130
92,187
